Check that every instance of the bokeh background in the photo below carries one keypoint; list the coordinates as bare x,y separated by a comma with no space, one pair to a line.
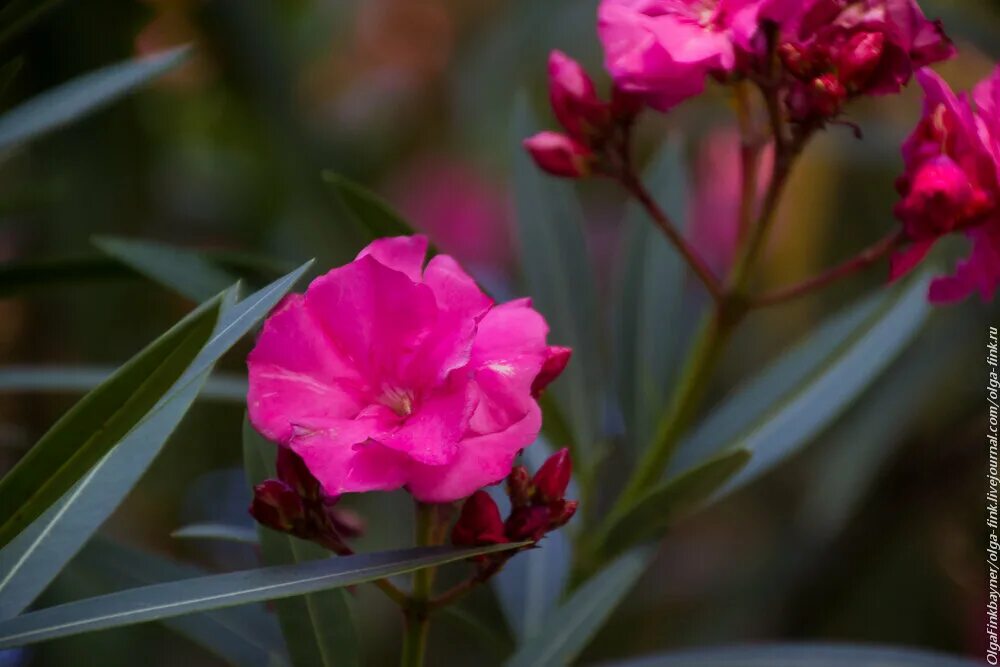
872,534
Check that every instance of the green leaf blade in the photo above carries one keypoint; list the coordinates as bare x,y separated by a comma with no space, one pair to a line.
184,272
30,562
98,421
570,628
68,102
220,591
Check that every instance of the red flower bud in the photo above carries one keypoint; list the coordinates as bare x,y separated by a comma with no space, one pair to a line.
552,478
292,471
519,486
858,58
277,506
528,523
559,154
574,100
556,358
561,512
479,523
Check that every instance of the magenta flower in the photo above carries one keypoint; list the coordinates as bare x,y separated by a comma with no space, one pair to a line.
951,183
841,48
664,49
385,374
559,154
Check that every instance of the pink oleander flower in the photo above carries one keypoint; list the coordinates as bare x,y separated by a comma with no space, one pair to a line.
835,49
951,183
386,374
665,49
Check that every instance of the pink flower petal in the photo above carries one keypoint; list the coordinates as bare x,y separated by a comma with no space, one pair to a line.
431,434
376,315
454,289
480,461
402,253
297,375
507,356
980,272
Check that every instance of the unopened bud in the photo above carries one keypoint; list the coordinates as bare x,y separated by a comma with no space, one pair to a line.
528,523
552,479
556,358
479,523
277,506
561,512
559,154
519,486
292,471
574,100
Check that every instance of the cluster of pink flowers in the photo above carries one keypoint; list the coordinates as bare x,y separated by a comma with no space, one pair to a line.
810,57
386,374
951,184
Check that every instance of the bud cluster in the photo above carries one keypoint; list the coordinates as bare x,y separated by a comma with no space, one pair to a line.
842,50
538,506
294,503
588,121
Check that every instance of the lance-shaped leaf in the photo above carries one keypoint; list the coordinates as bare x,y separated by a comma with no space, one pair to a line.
797,655
319,628
223,387
569,629
98,421
372,216
219,591
223,532
36,556
183,271
649,323
556,267
68,102
246,636
665,504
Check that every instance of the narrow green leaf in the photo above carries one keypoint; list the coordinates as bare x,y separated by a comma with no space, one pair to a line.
216,531
19,15
751,401
68,102
319,628
370,214
649,317
219,591
558,276
665,504
98,421
21,275
246,636
568,630
225,387
36,556
183,271
797,655
799,417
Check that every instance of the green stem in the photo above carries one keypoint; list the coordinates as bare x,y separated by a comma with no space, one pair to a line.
690,391
417,612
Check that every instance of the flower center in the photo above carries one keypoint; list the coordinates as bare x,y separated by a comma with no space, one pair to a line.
398,400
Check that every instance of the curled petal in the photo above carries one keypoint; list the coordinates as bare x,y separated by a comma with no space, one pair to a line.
401,253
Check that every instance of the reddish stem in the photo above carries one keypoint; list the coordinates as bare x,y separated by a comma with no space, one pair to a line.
859,262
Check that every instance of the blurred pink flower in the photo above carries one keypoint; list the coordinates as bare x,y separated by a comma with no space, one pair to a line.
385,374
664,49
465,214
716,201
835,49
951,183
